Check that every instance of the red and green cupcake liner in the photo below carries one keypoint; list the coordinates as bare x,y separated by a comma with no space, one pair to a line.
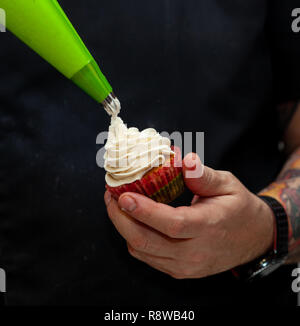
162,184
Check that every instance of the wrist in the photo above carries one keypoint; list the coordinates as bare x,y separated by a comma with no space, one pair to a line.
270,261
264,228
269,218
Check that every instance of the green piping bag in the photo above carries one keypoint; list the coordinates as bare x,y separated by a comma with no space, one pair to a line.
44,27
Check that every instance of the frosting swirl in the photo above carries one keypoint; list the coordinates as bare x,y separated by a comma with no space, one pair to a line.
131,153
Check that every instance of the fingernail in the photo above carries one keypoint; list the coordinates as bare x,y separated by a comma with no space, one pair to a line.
192,163
107,198
192,166
128,203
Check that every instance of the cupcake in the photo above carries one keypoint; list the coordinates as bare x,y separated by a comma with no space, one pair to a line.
142,162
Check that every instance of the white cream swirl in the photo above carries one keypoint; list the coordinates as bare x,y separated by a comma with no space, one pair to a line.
131,153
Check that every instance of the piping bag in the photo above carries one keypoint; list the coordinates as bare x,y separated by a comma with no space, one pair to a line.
45,28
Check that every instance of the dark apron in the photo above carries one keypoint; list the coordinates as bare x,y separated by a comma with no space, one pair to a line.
216,66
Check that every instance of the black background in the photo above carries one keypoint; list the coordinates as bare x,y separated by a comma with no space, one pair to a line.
215,66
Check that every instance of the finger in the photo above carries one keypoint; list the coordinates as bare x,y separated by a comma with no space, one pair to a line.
174,222
204,181
162,264
168,266
140,236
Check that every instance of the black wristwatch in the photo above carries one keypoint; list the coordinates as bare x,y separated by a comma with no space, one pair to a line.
265,265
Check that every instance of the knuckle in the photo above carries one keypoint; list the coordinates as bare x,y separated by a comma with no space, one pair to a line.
177,276
186,272
112,215
131,250
177,227
227,176
183,270
139,243
230,181
209,177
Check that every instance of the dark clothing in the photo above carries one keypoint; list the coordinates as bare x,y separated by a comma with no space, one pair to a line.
218,66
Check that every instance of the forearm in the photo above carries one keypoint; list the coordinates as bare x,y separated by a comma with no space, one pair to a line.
286,189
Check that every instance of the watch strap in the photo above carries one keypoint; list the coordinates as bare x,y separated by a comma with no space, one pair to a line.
282,228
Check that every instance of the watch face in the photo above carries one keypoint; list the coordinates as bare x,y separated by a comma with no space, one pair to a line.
270,268
265,267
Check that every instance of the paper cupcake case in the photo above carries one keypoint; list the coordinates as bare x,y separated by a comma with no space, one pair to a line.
162,184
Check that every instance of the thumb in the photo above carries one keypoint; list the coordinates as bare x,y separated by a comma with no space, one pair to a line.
202,180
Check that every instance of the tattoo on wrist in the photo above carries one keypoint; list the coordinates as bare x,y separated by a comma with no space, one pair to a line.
286,189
